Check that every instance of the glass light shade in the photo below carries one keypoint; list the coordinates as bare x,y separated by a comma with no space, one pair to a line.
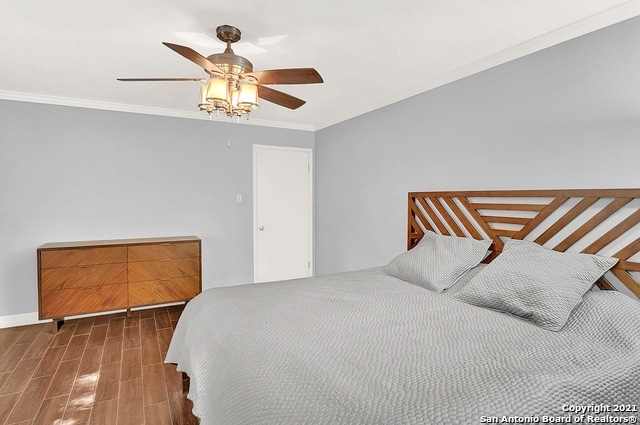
235,94
217,90
203,103
248,96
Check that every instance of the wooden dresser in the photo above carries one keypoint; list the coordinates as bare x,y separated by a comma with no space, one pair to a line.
95,276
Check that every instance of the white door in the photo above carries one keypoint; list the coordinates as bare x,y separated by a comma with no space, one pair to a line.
282,213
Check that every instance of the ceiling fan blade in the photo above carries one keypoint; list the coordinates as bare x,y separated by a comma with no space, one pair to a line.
201,80
287,76
279,98
194,57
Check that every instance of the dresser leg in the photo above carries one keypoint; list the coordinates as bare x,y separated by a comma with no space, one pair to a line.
57,324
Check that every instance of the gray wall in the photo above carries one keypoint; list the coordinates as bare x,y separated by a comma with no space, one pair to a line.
78,174
564,117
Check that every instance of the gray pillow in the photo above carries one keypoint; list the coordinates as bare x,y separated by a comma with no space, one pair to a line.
536,283
438,261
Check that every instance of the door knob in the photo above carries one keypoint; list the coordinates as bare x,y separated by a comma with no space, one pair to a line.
261,228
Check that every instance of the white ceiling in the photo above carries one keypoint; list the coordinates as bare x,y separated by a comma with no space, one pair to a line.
370,53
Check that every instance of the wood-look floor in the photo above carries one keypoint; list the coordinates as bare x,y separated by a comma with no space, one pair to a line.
98,370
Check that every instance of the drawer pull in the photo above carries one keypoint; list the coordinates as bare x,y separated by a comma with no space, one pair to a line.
165,279
86,266
165,260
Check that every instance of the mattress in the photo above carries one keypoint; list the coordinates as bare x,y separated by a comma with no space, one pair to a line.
366,348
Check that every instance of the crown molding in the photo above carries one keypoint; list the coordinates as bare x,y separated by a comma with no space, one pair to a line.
137,109
611,16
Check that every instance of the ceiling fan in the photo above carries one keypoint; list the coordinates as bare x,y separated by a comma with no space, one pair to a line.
232,87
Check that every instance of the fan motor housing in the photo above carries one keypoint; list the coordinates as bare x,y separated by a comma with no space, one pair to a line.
228,61
231,63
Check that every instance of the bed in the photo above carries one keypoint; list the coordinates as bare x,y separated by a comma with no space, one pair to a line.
508,307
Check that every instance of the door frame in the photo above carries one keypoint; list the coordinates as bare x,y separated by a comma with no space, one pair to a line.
311,229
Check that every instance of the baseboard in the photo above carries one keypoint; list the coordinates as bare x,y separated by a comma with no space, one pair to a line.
32,318
20,320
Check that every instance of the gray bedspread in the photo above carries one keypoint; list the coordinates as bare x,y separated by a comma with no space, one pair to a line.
366,348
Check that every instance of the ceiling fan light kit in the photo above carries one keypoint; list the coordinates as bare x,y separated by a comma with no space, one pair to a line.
232,87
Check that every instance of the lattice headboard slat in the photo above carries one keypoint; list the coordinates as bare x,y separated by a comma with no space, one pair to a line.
595,221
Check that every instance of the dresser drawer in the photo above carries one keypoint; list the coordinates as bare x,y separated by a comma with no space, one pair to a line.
163,251
82,256
163,290
82,276
159,269
68,302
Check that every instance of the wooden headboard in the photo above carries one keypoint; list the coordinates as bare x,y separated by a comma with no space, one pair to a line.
594,221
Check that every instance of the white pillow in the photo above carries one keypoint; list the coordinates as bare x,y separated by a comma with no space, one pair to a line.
535,283
438,261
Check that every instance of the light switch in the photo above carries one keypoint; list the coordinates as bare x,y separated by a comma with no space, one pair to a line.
238,198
